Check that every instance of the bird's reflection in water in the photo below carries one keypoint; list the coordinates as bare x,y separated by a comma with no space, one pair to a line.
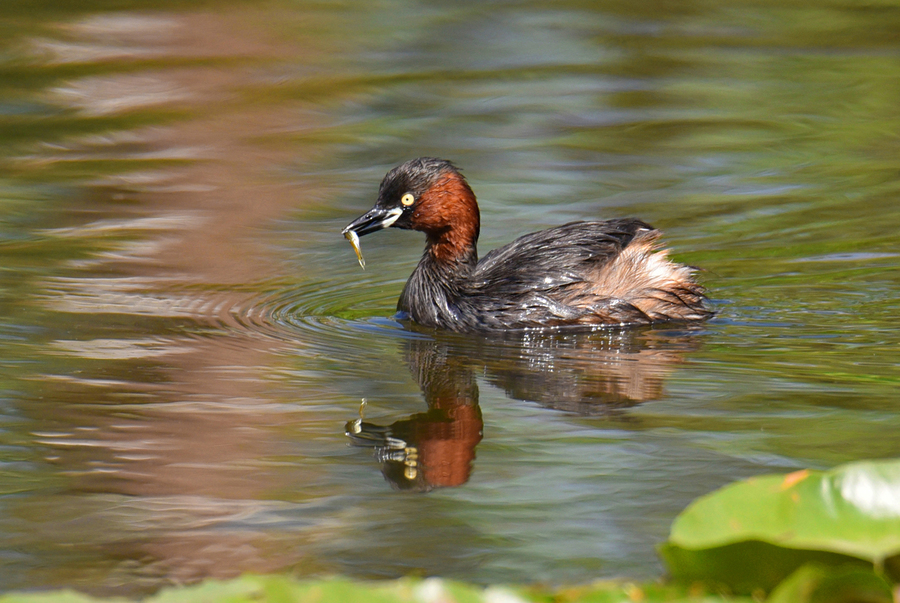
435,448
590,374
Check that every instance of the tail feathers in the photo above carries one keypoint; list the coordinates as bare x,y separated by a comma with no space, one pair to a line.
643,285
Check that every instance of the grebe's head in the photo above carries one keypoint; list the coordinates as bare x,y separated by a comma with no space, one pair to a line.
425,194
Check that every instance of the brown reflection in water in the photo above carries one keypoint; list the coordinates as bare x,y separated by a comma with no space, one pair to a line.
153,420
595,374
590,374
435,448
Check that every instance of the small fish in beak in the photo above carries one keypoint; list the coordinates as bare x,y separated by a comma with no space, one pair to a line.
354,241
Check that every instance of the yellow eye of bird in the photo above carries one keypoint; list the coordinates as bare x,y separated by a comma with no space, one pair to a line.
407,199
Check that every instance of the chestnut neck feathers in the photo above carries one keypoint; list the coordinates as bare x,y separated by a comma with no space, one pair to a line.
448,215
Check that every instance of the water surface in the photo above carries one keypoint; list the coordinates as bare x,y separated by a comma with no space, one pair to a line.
186,336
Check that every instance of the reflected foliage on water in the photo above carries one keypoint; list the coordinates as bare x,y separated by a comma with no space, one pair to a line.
185,334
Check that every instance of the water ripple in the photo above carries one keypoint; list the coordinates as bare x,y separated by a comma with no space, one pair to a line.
324,316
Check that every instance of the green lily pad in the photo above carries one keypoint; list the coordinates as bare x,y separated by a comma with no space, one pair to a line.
755,533
817,584
747,567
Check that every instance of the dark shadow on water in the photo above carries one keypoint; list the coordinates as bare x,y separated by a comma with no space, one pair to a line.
598,374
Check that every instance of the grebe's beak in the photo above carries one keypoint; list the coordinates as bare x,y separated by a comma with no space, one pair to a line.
373,220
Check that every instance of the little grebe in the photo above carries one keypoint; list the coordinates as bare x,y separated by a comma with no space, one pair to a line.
581,273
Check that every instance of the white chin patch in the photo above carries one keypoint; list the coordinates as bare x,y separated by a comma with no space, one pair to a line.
392,217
